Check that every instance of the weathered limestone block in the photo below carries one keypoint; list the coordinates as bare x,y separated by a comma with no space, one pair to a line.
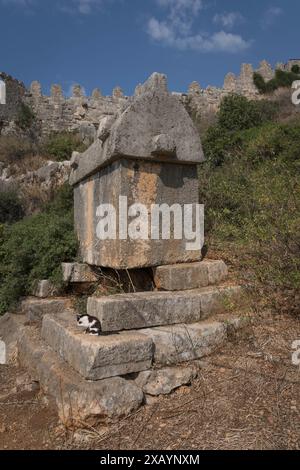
146,309
93,357
78,273
96,94
164,381
143,182
146,153
118,92
194,89
77,91
77,399
182,343
190,276
56,93
11,327
266,70
230,83
44,289
36,90
36,309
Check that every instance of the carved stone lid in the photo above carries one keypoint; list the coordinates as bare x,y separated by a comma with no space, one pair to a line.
153,125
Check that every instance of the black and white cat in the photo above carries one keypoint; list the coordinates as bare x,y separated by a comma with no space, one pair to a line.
91,324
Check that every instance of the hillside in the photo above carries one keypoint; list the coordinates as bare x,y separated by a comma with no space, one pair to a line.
250,185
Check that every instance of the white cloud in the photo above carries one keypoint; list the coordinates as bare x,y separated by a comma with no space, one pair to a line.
228,20
270,16
86,6
176,29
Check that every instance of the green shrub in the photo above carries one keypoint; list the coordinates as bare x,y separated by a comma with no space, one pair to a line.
33,249
253,205
25,117
11,208
282,79
296,69
238,113
59,146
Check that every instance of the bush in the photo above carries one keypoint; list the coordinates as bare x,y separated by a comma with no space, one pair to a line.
59,146
32,249
282,80
25,117
11,208
296,69
238,113
252,206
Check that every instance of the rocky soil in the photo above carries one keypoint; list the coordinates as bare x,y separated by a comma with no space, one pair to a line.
246,397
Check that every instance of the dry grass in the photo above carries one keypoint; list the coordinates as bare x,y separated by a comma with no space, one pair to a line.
27,164
13,149
34,196
246,397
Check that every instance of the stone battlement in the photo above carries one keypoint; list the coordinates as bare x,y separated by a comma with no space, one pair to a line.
80,113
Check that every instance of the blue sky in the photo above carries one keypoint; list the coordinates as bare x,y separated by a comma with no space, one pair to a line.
104,43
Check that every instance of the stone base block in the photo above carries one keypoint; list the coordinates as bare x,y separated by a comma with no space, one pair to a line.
182,343
164,381
190,276
36,309
141,182
77,400
74,273
44,289
93,357
143,310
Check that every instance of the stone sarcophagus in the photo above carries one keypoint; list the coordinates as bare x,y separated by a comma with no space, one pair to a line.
136,183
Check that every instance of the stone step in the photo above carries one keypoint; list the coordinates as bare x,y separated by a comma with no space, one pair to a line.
77,399
148,309
190,276
93,357
35,309
78,273
183,343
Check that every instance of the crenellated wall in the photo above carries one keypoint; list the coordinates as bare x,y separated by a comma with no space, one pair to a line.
76,113
82,113
205,101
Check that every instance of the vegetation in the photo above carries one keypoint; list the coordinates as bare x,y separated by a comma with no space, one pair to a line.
25,117
237,114
282,79
296,69
33,248
60,146
11,208
251,188
13,149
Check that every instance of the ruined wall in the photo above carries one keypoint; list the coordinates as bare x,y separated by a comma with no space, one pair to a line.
81,113
77,113
15,92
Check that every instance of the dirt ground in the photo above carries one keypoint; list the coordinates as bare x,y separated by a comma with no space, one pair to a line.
246,397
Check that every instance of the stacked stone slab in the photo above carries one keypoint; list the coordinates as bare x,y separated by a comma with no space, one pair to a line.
149,153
